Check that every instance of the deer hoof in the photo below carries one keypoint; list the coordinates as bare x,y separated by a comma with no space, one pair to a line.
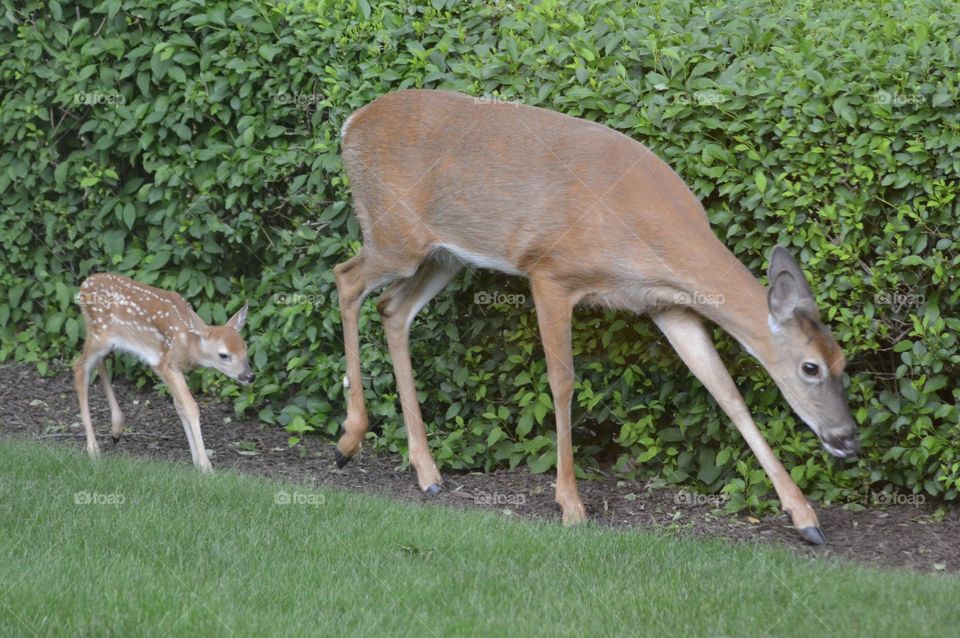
341,459
433,489
813,535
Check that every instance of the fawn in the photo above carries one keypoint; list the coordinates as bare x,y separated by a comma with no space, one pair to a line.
161,329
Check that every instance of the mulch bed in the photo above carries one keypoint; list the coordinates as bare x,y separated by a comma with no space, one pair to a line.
45,408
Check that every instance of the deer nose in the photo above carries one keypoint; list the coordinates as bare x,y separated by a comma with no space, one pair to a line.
248,377
847,445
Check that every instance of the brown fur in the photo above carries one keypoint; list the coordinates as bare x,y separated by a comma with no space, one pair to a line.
585,213
162,329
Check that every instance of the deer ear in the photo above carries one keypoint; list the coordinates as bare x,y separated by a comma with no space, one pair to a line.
788,288
238,320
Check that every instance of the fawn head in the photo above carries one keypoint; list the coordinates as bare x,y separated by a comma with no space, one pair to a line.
222,348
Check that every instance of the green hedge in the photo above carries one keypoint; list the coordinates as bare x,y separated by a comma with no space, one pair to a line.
195,146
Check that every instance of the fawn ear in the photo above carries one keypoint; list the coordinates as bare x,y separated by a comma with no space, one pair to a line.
236,321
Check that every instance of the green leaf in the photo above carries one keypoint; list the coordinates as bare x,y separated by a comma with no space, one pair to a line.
159,260
760,180
942,99
844,111
543,462
129,215
176,74
268,52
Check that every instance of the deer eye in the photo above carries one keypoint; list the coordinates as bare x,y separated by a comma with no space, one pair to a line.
224,356
810,369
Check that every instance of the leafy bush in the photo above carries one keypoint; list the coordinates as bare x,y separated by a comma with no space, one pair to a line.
195,146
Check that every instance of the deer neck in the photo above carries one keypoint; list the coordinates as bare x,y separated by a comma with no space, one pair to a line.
720,288
191,341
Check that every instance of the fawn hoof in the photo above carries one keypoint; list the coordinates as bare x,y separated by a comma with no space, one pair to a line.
813,535
433,489
341,459
574,514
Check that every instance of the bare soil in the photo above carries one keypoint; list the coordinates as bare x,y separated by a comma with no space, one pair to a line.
31,406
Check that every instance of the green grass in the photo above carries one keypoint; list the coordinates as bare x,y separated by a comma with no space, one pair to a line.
186,554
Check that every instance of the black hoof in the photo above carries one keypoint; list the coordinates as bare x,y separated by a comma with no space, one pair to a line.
813,535
341,459
434,489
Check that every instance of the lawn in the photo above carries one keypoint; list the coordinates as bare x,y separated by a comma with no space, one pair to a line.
134,547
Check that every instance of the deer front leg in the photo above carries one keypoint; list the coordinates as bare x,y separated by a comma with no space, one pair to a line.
692,342
554,309
352,288
189,415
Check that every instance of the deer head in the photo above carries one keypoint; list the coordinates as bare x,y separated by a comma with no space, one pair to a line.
806,361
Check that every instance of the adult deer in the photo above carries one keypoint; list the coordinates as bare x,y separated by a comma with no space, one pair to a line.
162,329
441,179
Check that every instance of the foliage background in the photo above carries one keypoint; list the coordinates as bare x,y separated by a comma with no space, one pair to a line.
195,146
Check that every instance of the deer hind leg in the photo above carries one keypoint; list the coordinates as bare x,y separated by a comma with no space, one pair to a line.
554,310
82,370
690,339
398,306
356,278
116,416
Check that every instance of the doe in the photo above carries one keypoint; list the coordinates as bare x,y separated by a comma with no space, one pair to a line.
440,180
